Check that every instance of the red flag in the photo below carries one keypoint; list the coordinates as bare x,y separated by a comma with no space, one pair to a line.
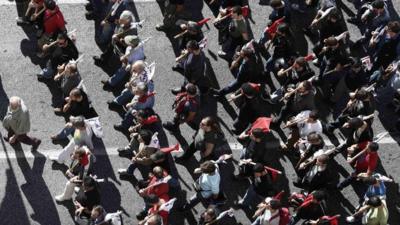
255,86
332,219
279,195
274,173
309,57
262,123
150,120
170,149
203,21
307,201
245,11
144,98
271,30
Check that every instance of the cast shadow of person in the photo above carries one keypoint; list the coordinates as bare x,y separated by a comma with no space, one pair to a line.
35,189
12,200
4,101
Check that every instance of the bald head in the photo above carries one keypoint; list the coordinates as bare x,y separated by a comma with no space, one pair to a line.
138,66
15,102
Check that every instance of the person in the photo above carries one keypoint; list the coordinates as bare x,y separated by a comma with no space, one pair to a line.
98,215
311,208
82,136
208,216
304,149
31,13
207,140
53,24
207,185
193,69
270,211
134,56
87,198
141,156
361,133
69,78
191,32
173,11
154,215
365,164
125,27
186,107
376,186
80,167
375,212
262,186
300,72
60,54
17,123
77,104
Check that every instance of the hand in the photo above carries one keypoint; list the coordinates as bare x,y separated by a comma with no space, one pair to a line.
183,26
133,159
302,166
115,37
104,22
45,47
69,174
243,135
141,192
314,22
287,95
361,175
68,125
61,67
34,16
13,139
281,72
79,211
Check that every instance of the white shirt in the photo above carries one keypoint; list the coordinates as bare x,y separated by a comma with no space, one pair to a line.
209,184
134,54
265,220
307,128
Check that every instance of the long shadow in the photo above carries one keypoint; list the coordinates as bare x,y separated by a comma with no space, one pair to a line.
35,188
103,165
13,198
3,100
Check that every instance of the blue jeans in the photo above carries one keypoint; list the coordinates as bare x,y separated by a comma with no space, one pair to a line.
131,168
251,198
125,96
47,72
118,77
127,121
65,132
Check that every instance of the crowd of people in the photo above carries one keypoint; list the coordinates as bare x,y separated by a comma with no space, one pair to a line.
274,88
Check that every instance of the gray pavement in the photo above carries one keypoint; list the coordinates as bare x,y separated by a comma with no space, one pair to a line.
29,182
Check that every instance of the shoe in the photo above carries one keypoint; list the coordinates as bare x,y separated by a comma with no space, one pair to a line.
89,7
90,15
353,20
141,215
122,150
235,131
221,53
178,69
176,91
76,190
114,106
23,21
98,61
36,145
119,127
171,127
183,208
106,85
6,139
161,27
238,204
122,171
60,198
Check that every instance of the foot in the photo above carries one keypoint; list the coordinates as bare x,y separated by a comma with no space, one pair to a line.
353,20
98,60
122,171
119,127
221,53
61,198
114,106
176,91
36,145
90,15
161,27
178,69
141,215
171,127
6,139
238,204
106,85
22,21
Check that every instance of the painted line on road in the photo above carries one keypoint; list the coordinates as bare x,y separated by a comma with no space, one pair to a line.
112,151
61,2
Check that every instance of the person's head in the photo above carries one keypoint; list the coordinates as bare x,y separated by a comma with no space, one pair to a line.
138,67
71,68
158,172
191,90
331,42
192,46
76,95
374,201
361,94
257,134
78,122
318,196
334,16
152,199
356,64
79,153
210,214
355,123
141,89
312,117
283,29
210,124
248,90
126,17
145,136
258,170
299,64
322,160
246,52
141,115
192,28
89,183
132,40
237,12
50,5
62,39
393,28
96,212
378,6
274,205
314,138
304,87
208,167
372,147
276,4
370,181
15,103
155,220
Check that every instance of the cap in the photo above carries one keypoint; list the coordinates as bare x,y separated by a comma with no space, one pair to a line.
126,15
132,40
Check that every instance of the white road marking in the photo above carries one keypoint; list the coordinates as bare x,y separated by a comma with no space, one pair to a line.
7,2
112,151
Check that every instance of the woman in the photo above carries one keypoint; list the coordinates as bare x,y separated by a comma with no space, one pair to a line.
206,139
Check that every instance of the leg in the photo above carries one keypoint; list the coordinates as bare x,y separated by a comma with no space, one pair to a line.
193,201
249,197
66,152
118,77
67,193
233,86
346,182
131,168
24,138
189,152
64,133
124,97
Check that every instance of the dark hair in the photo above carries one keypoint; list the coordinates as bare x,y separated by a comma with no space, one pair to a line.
192,44
89,181
313,115
77,121
76,92
258,133
80,151
319,195
191,89
301,61
331,41
50,4
361,94
374,201
307,85
334,14
313,136
62,36
275,204
355,123
394,26
284,28
237,9
211,212
213,123
378,4
323,158
275,3
98,208
355,62
248,89
207,167
152,199
146,136
373,146
258,168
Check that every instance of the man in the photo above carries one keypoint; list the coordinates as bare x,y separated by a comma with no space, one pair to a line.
192,32
364,164
18,124
81,166
60,54
69,78
311,208
300,71
125,27
260,188
360,134
193,69
77,104
134,54
87,198
271,212
186,106
31,13
173,11
53,24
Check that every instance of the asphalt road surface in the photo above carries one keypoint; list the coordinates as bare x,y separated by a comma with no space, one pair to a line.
29,181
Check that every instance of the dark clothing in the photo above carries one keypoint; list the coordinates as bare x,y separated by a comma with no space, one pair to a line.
284,47
194,69
263,185
83,108
279,13
61,55
388,51
88,199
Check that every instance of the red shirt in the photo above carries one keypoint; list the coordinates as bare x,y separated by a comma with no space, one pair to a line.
367,162
163,214
53,22
160,190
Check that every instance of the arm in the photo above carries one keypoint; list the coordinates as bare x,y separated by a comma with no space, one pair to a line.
190,116
209,149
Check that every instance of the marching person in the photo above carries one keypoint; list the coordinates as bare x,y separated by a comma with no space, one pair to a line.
173,11
311,208
87,198
17,123
270,212
375,212
34,10
69,78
